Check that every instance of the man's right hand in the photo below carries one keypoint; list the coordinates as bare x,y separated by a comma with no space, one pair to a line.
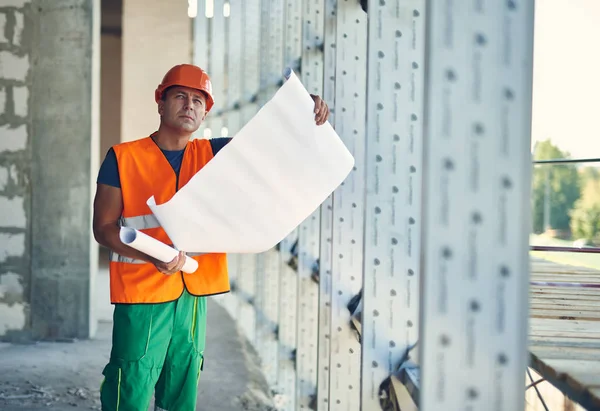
171,267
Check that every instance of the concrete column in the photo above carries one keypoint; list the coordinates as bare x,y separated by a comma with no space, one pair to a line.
64,144
157,35
15,160
48,160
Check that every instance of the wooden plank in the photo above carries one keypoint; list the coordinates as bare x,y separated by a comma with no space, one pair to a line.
562,339
564,342
556,268
560,305
552,324
565,314
567,292
565,274
564,290
584,299
568,275
565,278
563,270
565,327
571,353
565,299
576,283
544,287
585,305
548,263
591,333
566,334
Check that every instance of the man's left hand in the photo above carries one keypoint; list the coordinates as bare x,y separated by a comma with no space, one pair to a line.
321,110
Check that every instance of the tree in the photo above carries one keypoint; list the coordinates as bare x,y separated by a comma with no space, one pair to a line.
585,217
589,173
555,189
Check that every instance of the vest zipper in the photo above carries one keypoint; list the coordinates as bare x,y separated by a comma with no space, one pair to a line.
176,190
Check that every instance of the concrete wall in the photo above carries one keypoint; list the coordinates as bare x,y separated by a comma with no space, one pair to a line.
157,35
15,159
110,72
49,98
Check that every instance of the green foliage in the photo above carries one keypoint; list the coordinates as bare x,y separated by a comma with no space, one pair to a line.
585,217
563,184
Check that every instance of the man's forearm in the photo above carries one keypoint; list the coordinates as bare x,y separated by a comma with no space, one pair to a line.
108,236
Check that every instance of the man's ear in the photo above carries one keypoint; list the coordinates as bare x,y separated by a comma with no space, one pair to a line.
161,107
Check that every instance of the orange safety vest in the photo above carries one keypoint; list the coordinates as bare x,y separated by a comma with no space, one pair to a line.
144,171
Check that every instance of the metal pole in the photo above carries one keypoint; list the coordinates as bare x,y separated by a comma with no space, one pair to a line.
547,200
395,108
326,229
308,233
348,203
474,313
288,291
251,23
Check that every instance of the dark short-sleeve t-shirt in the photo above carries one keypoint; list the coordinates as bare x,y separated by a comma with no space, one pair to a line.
109,170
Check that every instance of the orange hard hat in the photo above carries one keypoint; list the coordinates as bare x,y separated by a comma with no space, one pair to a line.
187,75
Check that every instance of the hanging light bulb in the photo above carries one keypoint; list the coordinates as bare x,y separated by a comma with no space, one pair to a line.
209,10
226,9
192,8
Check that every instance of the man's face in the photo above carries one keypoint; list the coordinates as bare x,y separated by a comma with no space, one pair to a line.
183,108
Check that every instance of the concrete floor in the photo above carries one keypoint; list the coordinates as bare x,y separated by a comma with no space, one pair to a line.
64,376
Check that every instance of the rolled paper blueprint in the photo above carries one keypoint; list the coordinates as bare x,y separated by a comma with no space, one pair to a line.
154,248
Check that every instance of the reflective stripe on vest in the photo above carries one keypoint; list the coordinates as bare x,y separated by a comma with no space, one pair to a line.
118,258
140,222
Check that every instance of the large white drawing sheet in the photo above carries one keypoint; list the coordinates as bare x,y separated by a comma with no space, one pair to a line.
275,172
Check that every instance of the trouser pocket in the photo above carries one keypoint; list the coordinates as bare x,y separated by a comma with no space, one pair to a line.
127,387
110,390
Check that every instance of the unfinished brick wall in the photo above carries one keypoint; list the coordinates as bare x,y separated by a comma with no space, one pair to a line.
15,157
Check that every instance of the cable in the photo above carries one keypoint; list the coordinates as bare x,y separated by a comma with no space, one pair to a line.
537,391
533,384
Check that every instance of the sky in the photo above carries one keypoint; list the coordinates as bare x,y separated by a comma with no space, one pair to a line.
566,76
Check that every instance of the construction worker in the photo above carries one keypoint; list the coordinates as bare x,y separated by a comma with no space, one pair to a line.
159,323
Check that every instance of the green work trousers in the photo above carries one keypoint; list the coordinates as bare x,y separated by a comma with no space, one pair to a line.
156,347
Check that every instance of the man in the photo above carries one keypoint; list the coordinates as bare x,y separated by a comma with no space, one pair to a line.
160,312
